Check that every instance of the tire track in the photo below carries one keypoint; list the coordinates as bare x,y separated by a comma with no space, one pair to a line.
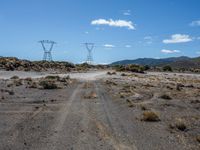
117,133
62,116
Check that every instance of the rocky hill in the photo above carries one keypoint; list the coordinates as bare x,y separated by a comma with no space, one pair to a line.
175,62
12,63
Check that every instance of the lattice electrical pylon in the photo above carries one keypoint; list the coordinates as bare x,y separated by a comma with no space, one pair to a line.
47,51
89,47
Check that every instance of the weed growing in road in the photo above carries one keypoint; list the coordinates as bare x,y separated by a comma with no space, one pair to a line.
91,95
150,116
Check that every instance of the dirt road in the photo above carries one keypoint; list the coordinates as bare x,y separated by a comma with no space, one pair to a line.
83,116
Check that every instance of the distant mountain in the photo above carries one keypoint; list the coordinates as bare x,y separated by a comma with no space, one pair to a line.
151,61
175,62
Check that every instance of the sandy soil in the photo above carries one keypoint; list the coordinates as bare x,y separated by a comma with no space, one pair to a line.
99,111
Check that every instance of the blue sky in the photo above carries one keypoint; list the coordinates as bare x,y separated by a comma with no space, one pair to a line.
120,29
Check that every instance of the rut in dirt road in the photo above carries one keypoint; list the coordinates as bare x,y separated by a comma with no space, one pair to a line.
84,123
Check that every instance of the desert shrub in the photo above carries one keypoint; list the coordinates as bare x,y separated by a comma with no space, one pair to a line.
123,74
48,84
111,73
167,97
146,67
198,138
130,104
110,82
179,86
64,79
135,68
143,107
119,68
150,116
28,79
18,82
10,92
52,77
180,124
14,77
91,95
130,68
167,68
33,85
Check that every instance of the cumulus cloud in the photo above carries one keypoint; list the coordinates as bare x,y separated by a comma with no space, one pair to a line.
109,46
114,23
195,23
170,51
178,38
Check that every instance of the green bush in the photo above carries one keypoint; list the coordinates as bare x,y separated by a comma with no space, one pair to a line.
167,68
146,67
130,68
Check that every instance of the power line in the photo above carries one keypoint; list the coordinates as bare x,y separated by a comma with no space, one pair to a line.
47,51
89,47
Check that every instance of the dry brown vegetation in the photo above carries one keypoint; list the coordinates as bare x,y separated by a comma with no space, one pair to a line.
180,124
91,95
150,116
175,96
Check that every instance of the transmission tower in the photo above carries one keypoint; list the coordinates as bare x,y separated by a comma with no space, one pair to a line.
89,47
47,47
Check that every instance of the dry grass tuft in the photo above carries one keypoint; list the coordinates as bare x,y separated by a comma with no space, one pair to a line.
17,82
180,124
111,73
110,82
124,75
179,86
150,116
50,77
14,77
33,85
198,138
28,79
130,104
167,97
91,95
143,107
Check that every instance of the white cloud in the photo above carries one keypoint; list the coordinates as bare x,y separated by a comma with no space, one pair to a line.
114,23
178,38
128,46
127,13
170,51
86,32
195,23
109,46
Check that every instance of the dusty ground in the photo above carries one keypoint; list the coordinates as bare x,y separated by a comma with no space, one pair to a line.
99,111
